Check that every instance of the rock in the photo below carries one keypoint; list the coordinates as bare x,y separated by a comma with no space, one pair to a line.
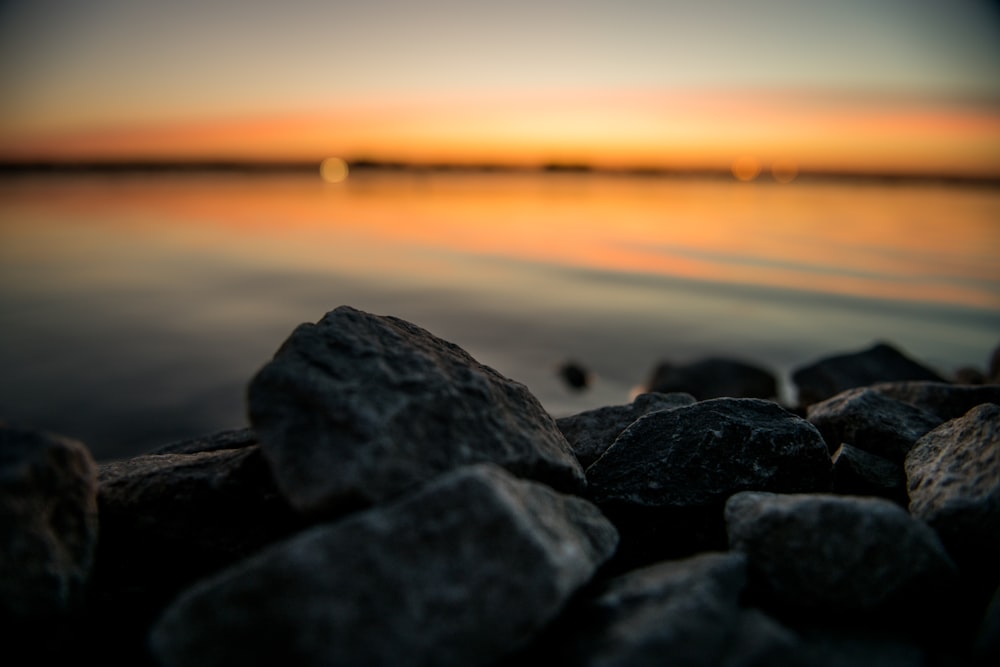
714,378
574,375
461,572
48,513
871,421
953,474
943,399
168,520
826,554
360,408
686,609
882,362
186,516
860,473
590,433
994,366
703,453
228,439
665,479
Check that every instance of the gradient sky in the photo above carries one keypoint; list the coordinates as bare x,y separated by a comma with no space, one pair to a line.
864,84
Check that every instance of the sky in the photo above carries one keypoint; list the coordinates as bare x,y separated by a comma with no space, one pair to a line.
866,85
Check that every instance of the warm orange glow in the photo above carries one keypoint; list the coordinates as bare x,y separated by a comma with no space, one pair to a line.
333,170
861,245
746,168
608,129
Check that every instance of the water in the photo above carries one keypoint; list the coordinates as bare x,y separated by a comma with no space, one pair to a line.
135,309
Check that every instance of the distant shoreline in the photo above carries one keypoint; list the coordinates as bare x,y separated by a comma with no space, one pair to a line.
40,167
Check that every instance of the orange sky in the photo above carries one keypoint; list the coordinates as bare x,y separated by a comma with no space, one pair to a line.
613,128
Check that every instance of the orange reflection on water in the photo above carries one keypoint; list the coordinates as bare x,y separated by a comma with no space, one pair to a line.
907,243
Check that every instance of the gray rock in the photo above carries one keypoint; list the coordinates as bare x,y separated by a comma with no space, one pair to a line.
359,408
714,378
943,399
836,554
228,439
954,484
48,525
986,646
871,421
590,433
860,473
461,572
686,609
831,375
703,453
185,516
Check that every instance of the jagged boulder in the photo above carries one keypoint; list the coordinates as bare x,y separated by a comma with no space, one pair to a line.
462,572
943,399
359,408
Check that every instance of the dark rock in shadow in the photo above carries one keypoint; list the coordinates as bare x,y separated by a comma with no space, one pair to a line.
714,378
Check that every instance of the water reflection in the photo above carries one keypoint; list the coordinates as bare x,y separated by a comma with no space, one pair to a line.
135,309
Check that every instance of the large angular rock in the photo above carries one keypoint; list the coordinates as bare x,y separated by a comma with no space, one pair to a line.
943,399
686,609
954,484
359,408
831,554
860,473
665,479
831,375
462,572
48,525
714,377
703,453
871,421
590,433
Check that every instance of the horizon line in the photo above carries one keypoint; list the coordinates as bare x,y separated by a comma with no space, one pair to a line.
363,164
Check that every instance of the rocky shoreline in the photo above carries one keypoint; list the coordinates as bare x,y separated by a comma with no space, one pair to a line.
396,502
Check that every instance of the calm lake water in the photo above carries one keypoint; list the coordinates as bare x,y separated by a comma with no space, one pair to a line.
135,309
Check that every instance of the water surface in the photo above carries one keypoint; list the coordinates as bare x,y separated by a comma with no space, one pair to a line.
134,309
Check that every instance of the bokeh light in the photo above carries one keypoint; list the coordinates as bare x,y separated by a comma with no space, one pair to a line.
333,170
746,168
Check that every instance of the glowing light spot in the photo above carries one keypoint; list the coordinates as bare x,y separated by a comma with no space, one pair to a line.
746,168
333,170
784,171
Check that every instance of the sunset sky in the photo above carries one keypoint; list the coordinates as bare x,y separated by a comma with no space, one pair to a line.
868,85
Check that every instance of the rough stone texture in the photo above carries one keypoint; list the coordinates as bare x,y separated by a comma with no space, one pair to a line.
836,554
943,399
461,572
871,421
954,484
860,473
590,433
48,524
685,609
228,439
714,378
359,408
186,515
831,375
703,453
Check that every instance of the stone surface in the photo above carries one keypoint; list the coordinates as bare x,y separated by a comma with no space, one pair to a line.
943,399
871,421
714,378
461,572
48,525
228,439
359,408
836,554
860,473
953,474
686,609
590,433
831,375
986,647
703,453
